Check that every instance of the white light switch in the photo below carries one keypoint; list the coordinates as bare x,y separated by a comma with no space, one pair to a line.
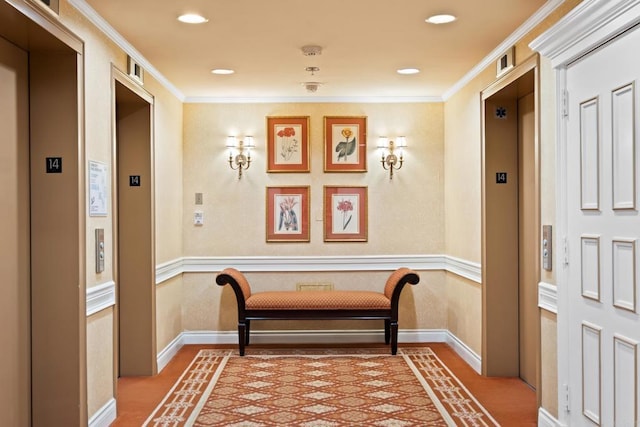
198,218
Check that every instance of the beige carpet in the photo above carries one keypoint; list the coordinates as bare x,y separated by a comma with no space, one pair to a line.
319,388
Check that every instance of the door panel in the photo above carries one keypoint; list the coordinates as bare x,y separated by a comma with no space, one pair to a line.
15,280
528,315
603,231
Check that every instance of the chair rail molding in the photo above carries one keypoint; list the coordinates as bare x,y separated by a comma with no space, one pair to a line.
100,297
548,297
467,269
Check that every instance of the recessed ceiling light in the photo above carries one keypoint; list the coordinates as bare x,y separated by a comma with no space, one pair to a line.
440,19
192,18
408,71
222,71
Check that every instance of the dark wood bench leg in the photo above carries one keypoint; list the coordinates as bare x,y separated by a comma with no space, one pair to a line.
387,331
241,337
247,332
394,337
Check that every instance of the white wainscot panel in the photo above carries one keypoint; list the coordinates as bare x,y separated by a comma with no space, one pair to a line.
624,274
591,372
625,381
589,155
590,252
623,147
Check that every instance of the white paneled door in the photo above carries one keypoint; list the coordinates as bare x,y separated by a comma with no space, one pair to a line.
603,233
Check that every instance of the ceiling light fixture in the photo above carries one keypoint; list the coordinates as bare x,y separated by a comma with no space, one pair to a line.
408,71
311,50
440,19
192,18
222,71
311,86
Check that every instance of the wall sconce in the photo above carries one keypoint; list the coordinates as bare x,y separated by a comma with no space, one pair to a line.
240,160
388,149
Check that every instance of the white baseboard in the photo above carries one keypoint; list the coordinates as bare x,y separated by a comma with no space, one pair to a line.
545,419
464,351
105,415
169,351
321,337
341,336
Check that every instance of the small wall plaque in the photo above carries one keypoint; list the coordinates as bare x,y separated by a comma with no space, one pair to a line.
501,177
54,164
134,180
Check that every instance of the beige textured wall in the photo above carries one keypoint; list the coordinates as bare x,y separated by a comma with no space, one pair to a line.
99,366
464,311
549,362
169,297
405,214
210,307
100,54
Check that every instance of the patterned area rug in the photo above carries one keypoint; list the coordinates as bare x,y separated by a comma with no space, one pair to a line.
319,388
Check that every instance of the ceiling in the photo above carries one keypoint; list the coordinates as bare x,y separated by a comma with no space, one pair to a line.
363,43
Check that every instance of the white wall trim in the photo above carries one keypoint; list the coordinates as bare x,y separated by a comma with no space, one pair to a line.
520,32
548,297
468,355
314,263
167,353
586,27
343,336
467,269
169,270
105,415
97,20
100,297
545,419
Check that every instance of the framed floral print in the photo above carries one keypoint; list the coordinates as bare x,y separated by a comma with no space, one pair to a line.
345,214
288,144
288,214
345,144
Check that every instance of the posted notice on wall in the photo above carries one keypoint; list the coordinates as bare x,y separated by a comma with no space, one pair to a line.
97,189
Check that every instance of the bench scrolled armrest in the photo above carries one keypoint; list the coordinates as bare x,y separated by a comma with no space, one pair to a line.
396,282
238,282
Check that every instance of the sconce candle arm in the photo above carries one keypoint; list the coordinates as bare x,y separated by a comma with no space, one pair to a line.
390,161
240,161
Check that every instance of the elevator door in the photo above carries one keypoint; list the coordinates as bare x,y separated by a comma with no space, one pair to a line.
15,358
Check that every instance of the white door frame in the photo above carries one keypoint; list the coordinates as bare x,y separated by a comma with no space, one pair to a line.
589,25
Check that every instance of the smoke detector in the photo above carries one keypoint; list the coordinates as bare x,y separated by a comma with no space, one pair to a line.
311,50
311,86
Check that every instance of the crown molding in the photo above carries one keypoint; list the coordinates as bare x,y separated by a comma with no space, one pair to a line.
97,20
314,100
535,19
587,26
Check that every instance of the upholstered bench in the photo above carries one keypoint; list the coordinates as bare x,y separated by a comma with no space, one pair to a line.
319,305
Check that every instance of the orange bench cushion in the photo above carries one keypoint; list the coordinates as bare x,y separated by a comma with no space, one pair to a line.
318,300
